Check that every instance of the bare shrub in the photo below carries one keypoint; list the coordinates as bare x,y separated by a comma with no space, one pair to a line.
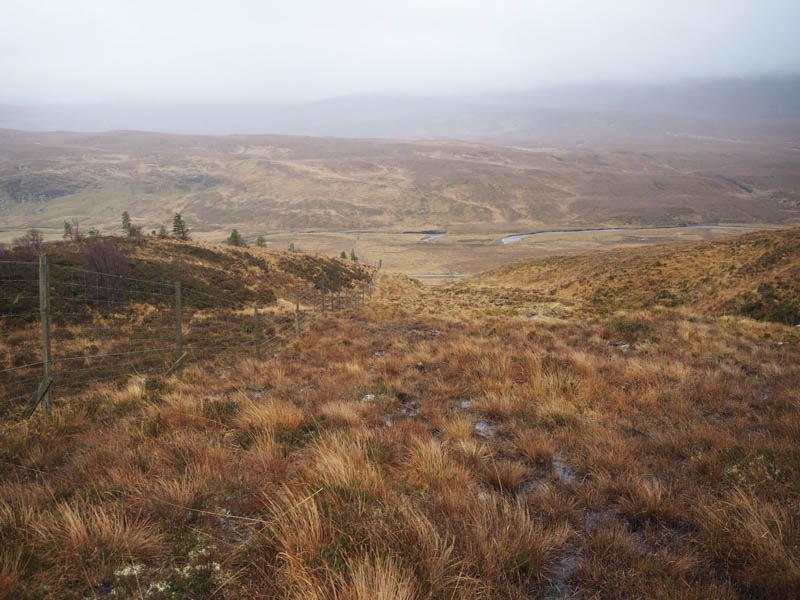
32,240
75,233
109,265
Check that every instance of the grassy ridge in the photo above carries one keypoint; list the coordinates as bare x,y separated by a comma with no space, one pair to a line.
756,275
232,275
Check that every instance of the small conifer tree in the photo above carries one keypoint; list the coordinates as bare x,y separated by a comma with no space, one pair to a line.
235,239
179,229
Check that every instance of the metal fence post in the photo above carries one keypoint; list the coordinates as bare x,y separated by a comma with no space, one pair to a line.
178,321
256,332
44,311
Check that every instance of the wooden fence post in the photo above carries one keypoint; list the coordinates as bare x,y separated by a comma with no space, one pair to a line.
256,332
178,321
44,312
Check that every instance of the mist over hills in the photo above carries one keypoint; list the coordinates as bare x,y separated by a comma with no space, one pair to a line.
749,108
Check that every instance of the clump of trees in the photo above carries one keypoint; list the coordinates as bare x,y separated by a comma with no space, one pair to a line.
353,256
72,231
129,228
261,241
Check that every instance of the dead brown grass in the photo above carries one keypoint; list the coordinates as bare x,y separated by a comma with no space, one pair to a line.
485,455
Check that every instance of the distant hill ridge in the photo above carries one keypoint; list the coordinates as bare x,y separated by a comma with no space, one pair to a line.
740,106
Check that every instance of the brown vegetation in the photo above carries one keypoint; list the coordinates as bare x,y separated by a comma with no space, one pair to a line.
755,275
438,443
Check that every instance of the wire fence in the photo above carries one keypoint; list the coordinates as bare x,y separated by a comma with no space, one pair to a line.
65,328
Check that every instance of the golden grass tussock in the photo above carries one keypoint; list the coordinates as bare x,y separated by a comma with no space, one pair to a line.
533,445
94,535
557,410
271,414
377,578
646,498
439,572
604,452
474,454
263,458
506,474
340,463
755,541
170,497
430,465
504,540
457,427
295,522
133,391
341,413
505,406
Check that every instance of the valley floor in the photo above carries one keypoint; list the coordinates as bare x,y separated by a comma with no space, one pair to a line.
454,442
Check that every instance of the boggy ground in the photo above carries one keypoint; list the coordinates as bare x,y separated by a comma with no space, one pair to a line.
438,443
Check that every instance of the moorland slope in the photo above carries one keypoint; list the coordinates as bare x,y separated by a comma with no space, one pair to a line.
477,441
757,274
262,184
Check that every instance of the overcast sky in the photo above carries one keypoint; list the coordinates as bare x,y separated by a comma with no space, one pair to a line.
74,51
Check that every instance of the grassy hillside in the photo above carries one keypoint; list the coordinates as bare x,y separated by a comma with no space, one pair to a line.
479,441
261,184
113,308
756,275
238,275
